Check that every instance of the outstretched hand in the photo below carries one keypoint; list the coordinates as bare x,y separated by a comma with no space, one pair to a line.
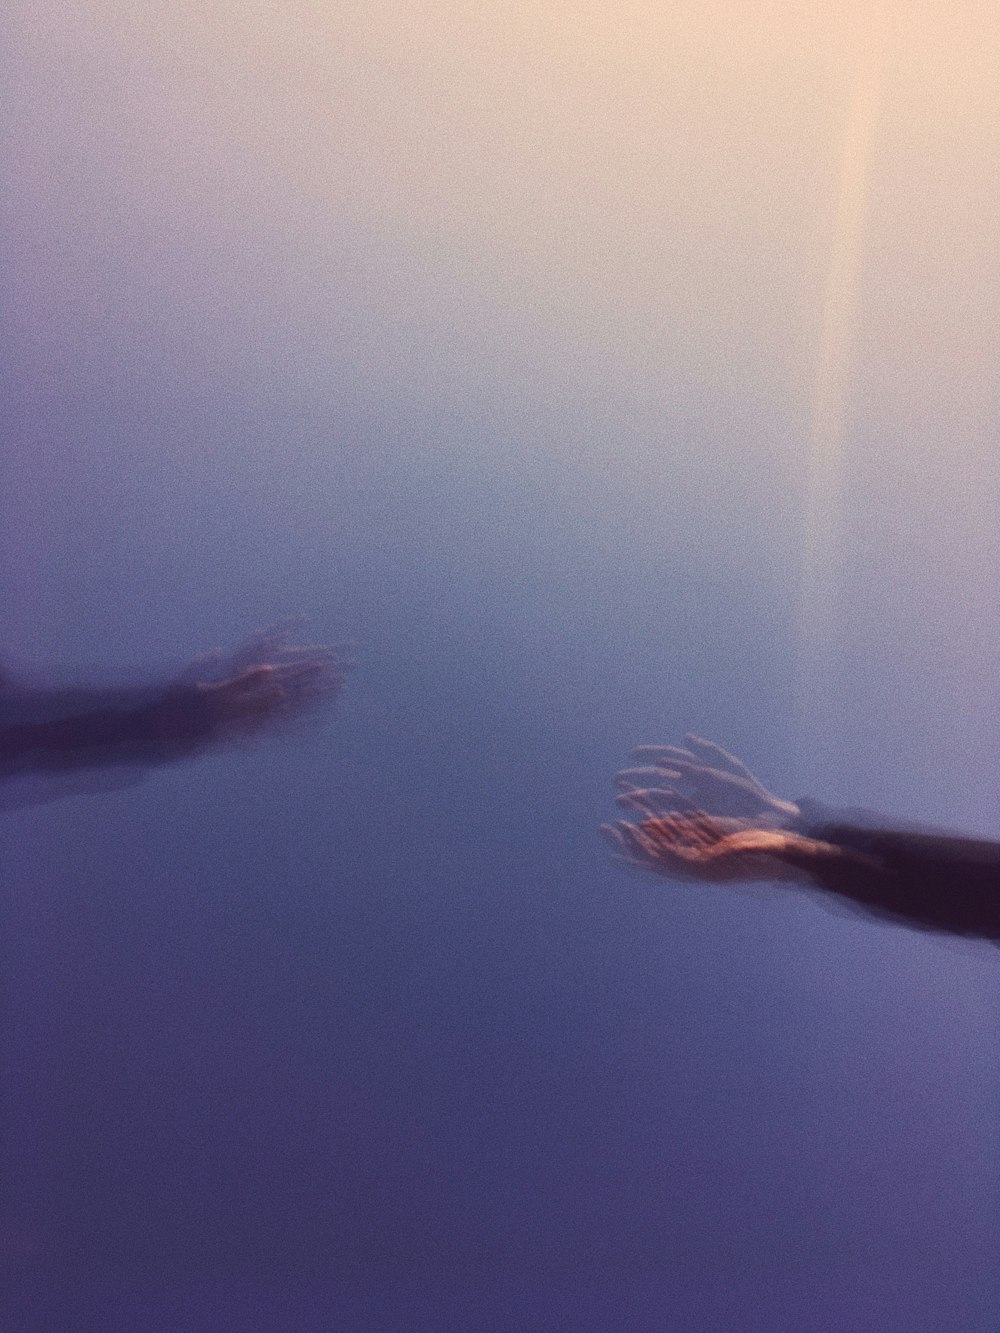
704,777
697,847
265,680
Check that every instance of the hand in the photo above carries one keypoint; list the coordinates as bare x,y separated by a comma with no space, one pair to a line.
698,847
712,779
268,647
265,680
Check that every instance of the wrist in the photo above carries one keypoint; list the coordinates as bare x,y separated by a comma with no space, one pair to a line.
809,853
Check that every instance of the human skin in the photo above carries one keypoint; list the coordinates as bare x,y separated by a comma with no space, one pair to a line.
926,880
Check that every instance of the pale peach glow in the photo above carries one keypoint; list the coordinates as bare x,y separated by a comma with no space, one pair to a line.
670,248
824,486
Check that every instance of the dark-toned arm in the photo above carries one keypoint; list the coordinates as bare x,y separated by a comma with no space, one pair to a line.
702,814
217,700
927,880
111,727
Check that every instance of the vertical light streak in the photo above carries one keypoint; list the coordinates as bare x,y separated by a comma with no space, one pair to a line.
823,508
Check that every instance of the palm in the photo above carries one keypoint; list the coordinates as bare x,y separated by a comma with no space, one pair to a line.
698,847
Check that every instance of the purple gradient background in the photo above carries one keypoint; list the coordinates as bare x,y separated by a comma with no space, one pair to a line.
486,340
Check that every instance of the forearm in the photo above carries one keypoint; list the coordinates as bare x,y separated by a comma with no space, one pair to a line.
102,728
949,885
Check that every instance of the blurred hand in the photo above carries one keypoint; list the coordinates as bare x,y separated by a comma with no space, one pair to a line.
704,777
266,680
697,847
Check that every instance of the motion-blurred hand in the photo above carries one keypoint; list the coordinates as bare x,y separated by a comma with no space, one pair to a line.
704,777
697,847
265,680
61,742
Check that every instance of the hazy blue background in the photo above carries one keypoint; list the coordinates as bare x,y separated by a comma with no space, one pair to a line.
487,337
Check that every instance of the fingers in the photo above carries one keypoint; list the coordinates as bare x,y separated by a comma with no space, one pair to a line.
256,688
611,835
639,842
263,646
685,770
625,837
250,679
267,692
671,832
620,848
271,645
691,771
696,829
291,655
684,846
722,793
709,750
298,675
638,777
702,753
704,775
244,706
655,800
676,833
662,754
621,837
